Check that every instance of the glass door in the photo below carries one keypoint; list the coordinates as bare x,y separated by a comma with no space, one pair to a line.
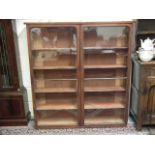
55,63
105,58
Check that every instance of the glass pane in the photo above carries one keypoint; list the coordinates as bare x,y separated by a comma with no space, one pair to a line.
57,118
105,60
54,54
55,74
53,38
105,36
106,73
49,85
5,75
54,47
54,59
105,85
57,101
104,117
105,100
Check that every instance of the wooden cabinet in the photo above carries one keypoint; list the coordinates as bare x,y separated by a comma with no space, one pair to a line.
80,73
142,103
143,93
12,107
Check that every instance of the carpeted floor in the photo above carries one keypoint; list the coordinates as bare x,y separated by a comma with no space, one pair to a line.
30,130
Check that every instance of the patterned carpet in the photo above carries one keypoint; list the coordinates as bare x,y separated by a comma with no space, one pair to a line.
30,130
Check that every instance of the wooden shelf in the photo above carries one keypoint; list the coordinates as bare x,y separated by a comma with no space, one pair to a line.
54,49
54,67
104,66
55,90
62,79
57,106
105,48
103,121
107,78
104,89
57,122
112,105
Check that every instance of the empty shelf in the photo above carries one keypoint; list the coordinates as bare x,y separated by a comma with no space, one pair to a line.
104,89
55,90
105,48
57,122
104,121
113,105
53,67
58,106
104,66
54,49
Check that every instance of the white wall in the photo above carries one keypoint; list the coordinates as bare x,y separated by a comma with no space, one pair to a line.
22,52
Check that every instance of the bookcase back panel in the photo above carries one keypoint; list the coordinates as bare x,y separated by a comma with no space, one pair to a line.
56,84
105,97
105,83
104,117
53,74
104,73
105,59
102,113
57,118
56,98
53,59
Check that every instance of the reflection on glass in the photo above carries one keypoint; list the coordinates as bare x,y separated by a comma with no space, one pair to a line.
105,36
53,38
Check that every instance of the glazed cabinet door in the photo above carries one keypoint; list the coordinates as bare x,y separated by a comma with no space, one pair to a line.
105,74
54,57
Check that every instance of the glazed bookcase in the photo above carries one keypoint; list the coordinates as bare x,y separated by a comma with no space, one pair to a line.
80,73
